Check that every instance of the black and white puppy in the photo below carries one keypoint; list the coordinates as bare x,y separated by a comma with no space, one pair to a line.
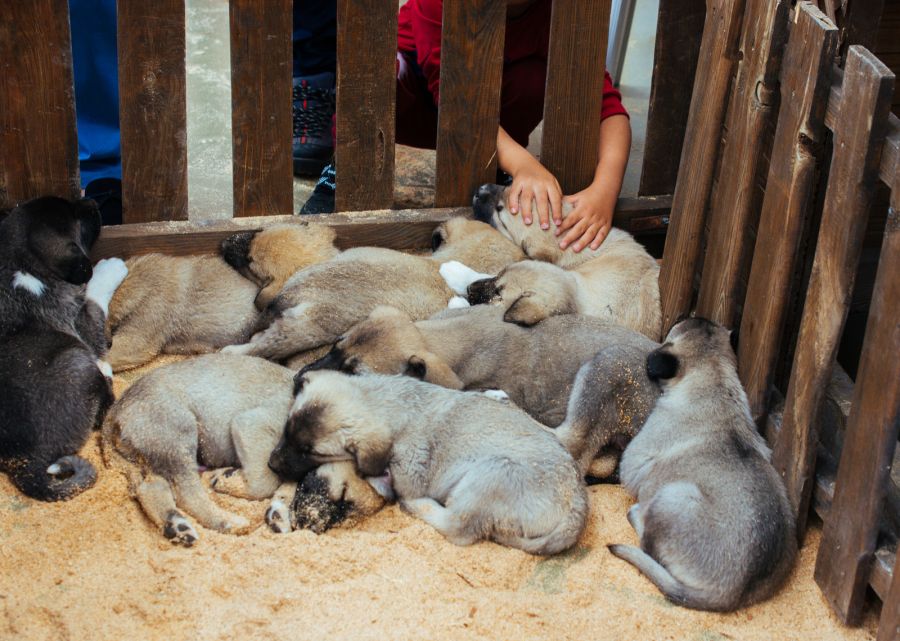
52,312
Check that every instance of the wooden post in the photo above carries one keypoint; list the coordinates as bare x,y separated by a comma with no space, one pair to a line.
366,103
805,81
698,157
858,135
152,110
889,624
261,107
734,211
849,535
679,26
469,113
37,109
575,68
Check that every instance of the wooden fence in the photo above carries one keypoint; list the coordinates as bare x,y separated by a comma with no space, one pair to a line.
770,115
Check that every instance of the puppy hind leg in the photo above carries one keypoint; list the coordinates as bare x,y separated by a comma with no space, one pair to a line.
636,519
293,332
133,349
254,434
155,497
193,498
442,519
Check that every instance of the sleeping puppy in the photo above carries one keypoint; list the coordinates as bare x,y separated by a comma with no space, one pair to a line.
218,410
617,281
198,304
715,525
580,373
52,311
321,302
513,483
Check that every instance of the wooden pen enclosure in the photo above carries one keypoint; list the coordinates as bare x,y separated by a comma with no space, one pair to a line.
782,153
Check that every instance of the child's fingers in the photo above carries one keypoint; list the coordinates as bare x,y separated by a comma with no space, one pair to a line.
589,234
574,233
556,205
514,191
526,200
601,235
569,222
543,207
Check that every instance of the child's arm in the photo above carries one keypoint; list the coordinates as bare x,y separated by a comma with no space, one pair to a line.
531,182
591,219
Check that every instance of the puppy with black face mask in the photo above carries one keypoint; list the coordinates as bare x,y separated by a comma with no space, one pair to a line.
52,312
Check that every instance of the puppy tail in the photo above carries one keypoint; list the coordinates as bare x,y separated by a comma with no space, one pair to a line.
673,589
62,480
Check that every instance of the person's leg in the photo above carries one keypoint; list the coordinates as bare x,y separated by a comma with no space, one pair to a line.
315,51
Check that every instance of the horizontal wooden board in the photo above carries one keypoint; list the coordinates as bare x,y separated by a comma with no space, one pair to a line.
399,229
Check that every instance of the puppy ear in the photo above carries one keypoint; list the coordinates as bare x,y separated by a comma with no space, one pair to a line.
661,365
89,214
526,310
439,373
371,462
266,295
416,368
733,337
437,239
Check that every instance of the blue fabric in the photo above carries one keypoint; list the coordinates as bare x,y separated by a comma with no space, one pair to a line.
315,37
96,88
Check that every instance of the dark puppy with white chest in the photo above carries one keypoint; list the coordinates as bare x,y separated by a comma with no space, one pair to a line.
52,312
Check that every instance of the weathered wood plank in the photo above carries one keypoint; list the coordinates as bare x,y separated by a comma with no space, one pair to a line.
261,107
398,229
734,209
469,111
366,103
152,110
679,27
859,132
575,67
795,155
889,624
37,111
715,68
848,544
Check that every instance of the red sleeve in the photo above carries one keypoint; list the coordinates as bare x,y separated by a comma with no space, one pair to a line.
426,17
612,99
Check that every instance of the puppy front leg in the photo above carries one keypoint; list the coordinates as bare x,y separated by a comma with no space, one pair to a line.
91,327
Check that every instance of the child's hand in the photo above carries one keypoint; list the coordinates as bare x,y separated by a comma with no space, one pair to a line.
534,185
590,220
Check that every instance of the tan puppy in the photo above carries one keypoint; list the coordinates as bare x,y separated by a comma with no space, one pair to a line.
197,304
617,281
218,410
321,302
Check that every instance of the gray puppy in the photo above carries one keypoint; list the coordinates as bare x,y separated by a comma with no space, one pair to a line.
218,410
513,483
713,517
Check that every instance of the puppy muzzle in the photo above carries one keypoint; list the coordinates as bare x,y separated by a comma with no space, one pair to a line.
482,292
487,202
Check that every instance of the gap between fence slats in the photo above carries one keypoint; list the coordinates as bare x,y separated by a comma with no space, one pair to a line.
574,95
152,110
734,209
37,112
261,107
795,154
858,133
698,157
471,77
848,544
366,103
674,63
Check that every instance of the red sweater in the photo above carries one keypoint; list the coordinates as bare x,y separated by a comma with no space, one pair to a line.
528,35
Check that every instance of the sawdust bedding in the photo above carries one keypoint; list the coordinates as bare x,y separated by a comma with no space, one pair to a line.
95,568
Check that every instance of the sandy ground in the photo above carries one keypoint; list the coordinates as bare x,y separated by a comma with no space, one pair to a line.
95,568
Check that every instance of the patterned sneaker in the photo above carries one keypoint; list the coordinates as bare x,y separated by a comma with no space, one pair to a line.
313,110
322,199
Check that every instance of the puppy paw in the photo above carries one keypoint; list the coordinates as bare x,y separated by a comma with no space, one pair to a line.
108,275
230,481
498,395
458,302
105,368
459,277
179,530
232,524
278,517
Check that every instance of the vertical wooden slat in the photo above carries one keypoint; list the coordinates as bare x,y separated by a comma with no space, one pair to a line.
805,81
575,67
848,538
734,209
889,624
261,107
152,110
366,104
471,77
858,133
679,28
37,108
698,157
